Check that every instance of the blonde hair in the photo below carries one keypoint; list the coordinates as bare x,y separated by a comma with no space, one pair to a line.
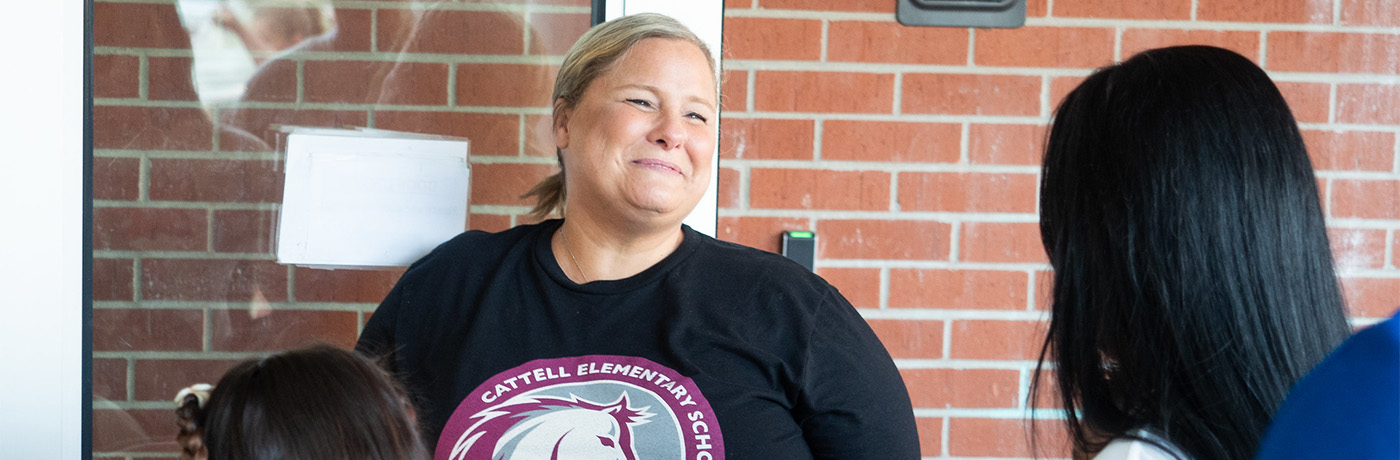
591,56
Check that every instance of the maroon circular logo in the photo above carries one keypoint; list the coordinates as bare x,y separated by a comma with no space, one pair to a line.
596,407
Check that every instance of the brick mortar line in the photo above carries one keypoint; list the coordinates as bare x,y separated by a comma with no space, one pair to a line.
961,364
1118,43
327,106
966,266
1390,261
209,226
954,242
946,314
292,289
130,379
206,336
415,6
1362,224
906,117
1032,291
749,89
944,69
136,288
1357,175
497,209
1335,78
947,338
1332,103
884,300
143,77
885,166
932,216
765,13
463,6
773,65
1396,155
215,305
210,205
1206,25
232,155
143,180
522,140
1057,21
1352,127
343,56
1369,273
971,46
182,255
521,160
1002,413
1023,386
745,191
1264,50
1046,105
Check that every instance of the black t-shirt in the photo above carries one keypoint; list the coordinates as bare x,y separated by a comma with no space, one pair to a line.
718,351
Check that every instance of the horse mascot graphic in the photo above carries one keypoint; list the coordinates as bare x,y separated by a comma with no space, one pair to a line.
550,428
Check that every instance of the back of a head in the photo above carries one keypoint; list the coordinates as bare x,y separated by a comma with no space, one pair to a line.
1193,277
314,403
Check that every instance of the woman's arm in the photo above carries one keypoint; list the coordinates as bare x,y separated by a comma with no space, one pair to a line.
853,403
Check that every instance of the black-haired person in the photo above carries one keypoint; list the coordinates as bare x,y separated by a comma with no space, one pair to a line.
1193,278
314,403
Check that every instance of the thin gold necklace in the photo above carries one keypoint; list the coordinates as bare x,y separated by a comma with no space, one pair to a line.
571,256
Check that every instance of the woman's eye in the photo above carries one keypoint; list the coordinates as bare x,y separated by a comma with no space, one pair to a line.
641,102
697,117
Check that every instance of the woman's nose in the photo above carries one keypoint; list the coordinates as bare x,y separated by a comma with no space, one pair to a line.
669,132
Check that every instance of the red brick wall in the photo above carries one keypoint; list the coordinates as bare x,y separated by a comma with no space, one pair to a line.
185,278
911,151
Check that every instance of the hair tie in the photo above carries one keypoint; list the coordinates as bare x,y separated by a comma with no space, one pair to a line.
199,390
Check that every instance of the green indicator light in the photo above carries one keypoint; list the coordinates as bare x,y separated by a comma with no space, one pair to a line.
800,234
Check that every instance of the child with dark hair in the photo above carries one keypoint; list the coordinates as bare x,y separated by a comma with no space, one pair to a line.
1193,278
313,403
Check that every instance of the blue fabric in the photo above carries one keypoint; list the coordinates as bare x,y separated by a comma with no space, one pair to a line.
1346,408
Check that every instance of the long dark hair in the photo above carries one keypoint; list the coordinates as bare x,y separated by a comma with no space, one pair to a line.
1193,281
314,403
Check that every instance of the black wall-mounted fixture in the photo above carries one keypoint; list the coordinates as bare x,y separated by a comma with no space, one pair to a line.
1007,14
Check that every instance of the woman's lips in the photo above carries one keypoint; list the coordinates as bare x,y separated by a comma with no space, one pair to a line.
659,165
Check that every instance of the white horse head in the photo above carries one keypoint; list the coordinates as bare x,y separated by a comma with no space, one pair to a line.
547,428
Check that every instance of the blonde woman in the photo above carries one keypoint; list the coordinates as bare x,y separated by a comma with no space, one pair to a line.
618,332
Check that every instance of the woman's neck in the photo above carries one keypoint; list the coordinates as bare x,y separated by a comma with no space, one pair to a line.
590,250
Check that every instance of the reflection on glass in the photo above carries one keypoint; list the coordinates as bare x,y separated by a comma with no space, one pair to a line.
231,39
189,99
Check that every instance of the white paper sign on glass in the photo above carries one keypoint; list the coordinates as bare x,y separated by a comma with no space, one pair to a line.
370,199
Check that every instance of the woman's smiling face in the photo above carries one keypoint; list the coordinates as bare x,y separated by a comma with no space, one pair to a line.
639,143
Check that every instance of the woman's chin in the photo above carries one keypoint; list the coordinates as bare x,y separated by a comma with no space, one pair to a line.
663,203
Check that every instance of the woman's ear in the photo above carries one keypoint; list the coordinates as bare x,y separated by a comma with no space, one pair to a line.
561,123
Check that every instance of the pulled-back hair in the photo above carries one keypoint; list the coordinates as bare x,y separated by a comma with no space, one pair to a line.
1193,280
315,403
591,56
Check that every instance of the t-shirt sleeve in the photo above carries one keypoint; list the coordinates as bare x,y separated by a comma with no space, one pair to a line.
377,340
853,403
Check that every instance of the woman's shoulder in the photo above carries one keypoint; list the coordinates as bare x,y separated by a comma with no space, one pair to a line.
755,261
735,264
